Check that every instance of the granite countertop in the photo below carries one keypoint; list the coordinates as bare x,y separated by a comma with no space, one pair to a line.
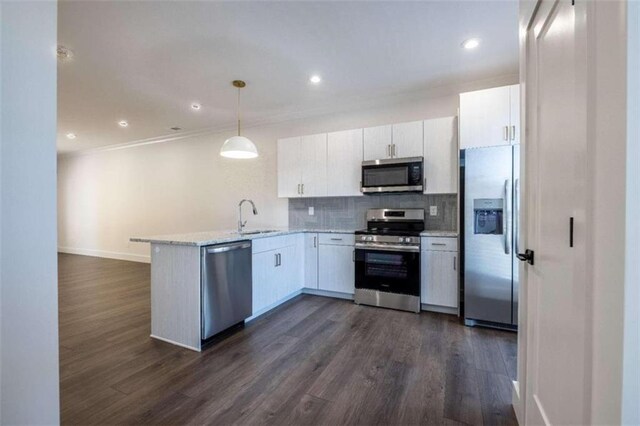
207,238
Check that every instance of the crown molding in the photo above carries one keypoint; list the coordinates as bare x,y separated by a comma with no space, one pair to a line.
349,104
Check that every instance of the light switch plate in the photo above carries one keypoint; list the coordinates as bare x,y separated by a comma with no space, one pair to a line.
433,210
311,211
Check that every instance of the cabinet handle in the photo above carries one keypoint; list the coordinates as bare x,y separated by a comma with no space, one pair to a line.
275,256
353,257
513,133
393,150
303,189
505,133
438,244
298,189
315,242
336,239
389,150
454,263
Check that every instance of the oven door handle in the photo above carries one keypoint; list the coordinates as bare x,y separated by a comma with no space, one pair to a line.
388,247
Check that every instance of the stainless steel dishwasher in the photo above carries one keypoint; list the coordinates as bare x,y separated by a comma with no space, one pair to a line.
226,286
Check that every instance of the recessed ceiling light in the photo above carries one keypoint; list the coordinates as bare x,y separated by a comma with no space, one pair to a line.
315,79
195,106
71,135
123,123
471,43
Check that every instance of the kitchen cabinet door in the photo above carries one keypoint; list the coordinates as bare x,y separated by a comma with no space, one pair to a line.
336,268
439,281
311,261
377,142
485,117
263,277
289,167
344,160
313,160
441,156
514,104
290,271
407,140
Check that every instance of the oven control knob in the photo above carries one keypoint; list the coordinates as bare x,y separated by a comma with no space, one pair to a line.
369,238
407,240
363,238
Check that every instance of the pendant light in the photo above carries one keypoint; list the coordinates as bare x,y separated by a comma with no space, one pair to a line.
238,146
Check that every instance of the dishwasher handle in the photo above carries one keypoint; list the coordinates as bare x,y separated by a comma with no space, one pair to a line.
229,247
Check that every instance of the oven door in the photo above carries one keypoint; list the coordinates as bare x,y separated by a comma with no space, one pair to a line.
395,175
388,270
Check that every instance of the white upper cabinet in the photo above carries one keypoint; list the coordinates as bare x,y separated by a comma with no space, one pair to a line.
489,117
407,139
344,158
313,161
302,166
289,171
377,142
441,156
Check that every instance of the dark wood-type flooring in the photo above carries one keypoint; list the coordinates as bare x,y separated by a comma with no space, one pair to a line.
313,360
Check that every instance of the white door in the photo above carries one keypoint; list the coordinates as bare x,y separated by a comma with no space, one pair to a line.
313,160
407,140
557,291
344,161
441,156
311,261
377,142
289,171
514,114
485,116
336,268
440,278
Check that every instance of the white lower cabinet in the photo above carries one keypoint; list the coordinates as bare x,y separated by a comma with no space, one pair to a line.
439,270
311,261
277,272
336,266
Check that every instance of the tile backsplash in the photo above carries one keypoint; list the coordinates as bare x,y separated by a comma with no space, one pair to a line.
349,212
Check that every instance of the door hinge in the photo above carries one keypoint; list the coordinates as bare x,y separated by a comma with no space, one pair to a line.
527,256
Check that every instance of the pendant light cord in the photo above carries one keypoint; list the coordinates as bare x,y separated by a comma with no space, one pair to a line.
238,111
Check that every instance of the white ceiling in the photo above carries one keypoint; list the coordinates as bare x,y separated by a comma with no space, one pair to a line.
146,62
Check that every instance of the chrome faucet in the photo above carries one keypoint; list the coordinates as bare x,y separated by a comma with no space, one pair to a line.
241,224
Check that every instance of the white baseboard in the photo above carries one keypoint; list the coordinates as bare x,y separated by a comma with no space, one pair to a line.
326,293
162,339
106,254
440,309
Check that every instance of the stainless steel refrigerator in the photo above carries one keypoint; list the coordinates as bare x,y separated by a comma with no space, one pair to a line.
491,203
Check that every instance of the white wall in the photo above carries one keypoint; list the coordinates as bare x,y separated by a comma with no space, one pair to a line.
109,196
28,266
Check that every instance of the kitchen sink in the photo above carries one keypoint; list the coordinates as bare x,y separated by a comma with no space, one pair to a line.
260,231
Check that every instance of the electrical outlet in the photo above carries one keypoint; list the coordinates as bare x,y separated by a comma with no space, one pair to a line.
311,211
433,210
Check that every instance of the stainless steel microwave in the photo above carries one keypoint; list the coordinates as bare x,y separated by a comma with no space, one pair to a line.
392,175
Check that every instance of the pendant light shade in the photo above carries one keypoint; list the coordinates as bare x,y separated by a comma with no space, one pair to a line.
238,146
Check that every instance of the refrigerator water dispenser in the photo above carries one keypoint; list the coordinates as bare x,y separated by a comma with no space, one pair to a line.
487,214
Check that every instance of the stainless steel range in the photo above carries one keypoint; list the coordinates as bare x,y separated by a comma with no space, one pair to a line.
388,259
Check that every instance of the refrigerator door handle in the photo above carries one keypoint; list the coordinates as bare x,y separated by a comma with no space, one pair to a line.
505,218
516,216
